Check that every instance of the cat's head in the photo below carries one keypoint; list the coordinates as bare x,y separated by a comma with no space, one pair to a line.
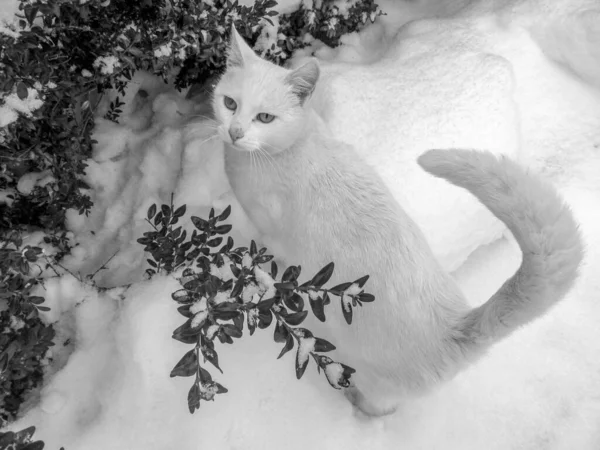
259,105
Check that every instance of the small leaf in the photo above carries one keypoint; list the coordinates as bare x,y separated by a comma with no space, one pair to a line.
318,308
273,269
36,300
21,90
296,318
253,249
223,229
265,305
361,281
347,311
194,398
265,318
165,210
364,297
291,274
231,330
182,296
204,375
323,275
289,344
179,211
199,223
187,366
281,333
215,242
295,302
321,345
225,214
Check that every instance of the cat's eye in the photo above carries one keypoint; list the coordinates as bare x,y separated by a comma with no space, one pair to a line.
230,103
265,118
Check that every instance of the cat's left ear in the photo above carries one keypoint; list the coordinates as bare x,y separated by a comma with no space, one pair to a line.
239,51
303,80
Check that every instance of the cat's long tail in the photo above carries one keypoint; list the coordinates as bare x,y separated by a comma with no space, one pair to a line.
541,223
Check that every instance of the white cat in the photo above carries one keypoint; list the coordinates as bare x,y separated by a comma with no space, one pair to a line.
317,202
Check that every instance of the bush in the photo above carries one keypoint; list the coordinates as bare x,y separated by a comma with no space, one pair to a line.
231,285
56,68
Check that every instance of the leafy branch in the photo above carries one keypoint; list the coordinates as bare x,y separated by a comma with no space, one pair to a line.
226,288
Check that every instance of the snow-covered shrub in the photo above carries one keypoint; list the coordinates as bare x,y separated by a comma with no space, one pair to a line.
24,338
225,288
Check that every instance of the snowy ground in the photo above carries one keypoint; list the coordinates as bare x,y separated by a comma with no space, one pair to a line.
475,80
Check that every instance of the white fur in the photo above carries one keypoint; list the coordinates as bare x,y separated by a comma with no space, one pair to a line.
316,201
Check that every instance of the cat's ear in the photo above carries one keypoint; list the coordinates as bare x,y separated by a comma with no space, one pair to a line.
239,51
303,80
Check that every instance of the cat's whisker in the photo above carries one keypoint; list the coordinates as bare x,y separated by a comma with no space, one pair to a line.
208,139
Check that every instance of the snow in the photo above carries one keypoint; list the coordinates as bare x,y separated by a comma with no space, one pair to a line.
107,64
334,373
457,81
30,180
13,106
306,345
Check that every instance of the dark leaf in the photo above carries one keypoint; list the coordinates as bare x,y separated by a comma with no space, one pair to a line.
265,305
36,300
289,344
264,319
204,375
323,275
185,311
223,229
253,249
238,287
295,302
22,89
361,281
199,223
347,311
281,333
179,211
165,210
321,345
364,297
215,242
152,263
194,398
231,330
225,214
318,308
296,318
187,366
273,270
291,274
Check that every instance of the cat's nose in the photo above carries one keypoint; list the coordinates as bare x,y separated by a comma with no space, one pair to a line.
236,132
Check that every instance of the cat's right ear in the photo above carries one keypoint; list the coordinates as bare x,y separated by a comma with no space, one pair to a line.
304,79
239,51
